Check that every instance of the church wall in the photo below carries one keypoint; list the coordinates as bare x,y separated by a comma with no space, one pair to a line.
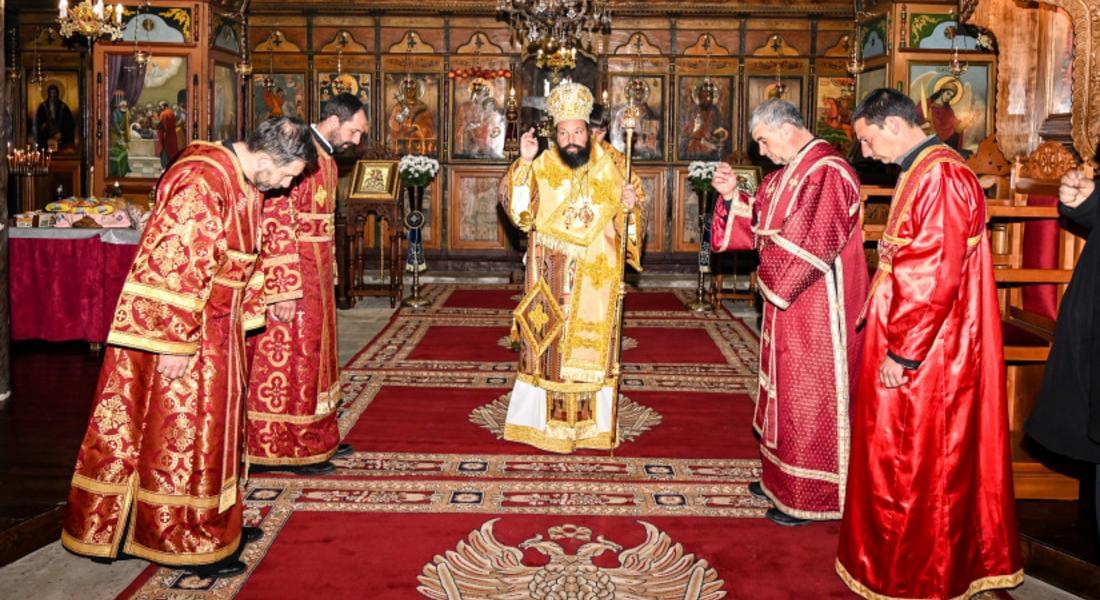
743,53
671,54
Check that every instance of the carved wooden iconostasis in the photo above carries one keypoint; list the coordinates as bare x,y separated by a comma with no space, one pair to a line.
459,118
304,53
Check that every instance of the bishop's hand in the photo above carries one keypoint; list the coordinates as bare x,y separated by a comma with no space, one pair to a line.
629,195
528,145
172,366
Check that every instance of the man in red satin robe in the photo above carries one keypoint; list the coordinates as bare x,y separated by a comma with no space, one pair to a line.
929,511
157,474
294,382
804,223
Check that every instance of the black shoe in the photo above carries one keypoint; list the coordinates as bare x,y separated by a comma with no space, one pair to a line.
343,450
777,516
227,567
757,490
321,468
251,534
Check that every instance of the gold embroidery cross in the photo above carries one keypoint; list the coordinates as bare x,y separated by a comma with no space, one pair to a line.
538,318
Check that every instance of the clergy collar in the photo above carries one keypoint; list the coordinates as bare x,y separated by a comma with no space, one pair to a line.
321,139
909,157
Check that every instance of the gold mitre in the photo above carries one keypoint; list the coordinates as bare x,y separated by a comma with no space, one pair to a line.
569,101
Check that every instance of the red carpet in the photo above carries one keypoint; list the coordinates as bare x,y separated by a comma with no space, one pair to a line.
432,500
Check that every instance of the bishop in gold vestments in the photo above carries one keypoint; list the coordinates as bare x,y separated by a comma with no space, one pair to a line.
571,200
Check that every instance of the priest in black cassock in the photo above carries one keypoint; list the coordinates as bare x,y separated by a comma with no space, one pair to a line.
1066,419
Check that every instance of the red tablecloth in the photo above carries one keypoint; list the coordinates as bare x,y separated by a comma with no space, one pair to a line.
65,289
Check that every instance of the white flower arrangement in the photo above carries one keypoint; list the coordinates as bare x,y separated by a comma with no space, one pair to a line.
417,171
700,173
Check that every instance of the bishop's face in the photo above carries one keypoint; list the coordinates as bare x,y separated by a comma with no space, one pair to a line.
572,141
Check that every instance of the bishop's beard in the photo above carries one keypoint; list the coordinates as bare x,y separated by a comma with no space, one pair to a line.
578,160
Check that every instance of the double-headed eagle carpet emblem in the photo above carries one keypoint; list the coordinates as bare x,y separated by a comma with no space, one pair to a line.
482,568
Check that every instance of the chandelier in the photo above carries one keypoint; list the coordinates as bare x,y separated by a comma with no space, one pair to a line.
92,21
554,29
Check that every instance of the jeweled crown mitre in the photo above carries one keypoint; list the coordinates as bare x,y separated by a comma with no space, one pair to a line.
569,101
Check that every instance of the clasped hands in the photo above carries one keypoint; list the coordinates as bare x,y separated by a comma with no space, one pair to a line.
1076,186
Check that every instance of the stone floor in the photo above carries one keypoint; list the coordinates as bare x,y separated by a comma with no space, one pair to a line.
52,573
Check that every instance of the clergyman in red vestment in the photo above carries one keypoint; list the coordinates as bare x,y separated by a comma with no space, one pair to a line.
294,381
929,511
157,474
804,222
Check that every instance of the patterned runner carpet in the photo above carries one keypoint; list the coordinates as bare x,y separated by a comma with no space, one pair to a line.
434,505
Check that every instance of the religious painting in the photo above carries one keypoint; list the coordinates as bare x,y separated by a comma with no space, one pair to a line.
278,95
934,31
873,38
224,126
869,81
147,121
478,124
475,221
834,105
226,36
411,112
53,113
156,24
374,180
332,84
704,122
956,109
1061,57
653,184
767,88
648,96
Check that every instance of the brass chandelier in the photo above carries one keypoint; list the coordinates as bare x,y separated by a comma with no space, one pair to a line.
92,21
554,29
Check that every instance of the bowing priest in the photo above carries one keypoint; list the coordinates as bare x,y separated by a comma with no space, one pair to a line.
157,475
571,200
929,511
294,382
804,222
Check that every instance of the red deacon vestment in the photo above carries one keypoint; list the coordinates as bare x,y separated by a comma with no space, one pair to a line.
165,454
929,511
813,276
294,383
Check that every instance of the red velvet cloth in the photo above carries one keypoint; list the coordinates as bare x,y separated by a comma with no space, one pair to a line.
1040,251
64,289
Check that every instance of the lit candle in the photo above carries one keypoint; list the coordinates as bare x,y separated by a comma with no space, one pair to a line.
545,87
604,96
98,9
512,92
63,8
118,13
